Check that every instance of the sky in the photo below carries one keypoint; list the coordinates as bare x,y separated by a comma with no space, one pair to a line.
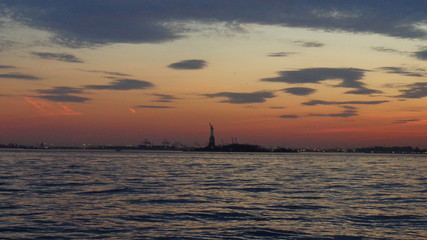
289,73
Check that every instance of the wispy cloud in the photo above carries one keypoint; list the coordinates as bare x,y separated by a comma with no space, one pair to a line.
164,97
402,71
65,94
242,98
153,106
403,121
61,94
281,54
415,90
49,109
6,67
309,44
123,85
63,57
60,90
348,112
192,64
364,91
321,102
63,98
277,107
132,110
66,110
19,76
116,74
388,50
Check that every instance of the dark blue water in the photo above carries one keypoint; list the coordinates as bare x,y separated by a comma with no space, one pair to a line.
177,195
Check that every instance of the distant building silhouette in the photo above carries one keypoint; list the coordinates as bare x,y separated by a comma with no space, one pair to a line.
211,144
147,143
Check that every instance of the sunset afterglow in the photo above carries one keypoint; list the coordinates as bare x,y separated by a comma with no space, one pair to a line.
274,73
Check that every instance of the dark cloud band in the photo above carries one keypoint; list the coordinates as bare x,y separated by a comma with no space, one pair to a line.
64,98
344,114
192,64
403,121
349,77
321,102
422,55
122,84
415,90
289,116
242,98
19,76
114,21
6,67
300,91
309,44
60,90
280,54
63,57
401,71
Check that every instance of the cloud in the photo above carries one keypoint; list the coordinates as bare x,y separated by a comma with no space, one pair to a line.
85,23
132,110
90,23
60,90
403,121
164,97
118,74
277,107
299,91
422,55
321,102
388,50
191,64
64,57
122,84
350,78
6,67
348,112
289,116
415,90
19,76
242,98
349,107
63,98
364,91
5,44
309,44
401,71
280,54
50,109
62,94
152,106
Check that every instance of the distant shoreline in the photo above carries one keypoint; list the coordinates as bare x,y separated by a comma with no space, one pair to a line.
226,148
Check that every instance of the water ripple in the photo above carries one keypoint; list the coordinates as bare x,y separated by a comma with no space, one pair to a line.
190,195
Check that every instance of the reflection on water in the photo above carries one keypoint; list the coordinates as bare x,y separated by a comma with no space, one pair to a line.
177,195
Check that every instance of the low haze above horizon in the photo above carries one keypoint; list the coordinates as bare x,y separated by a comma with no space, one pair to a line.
291,73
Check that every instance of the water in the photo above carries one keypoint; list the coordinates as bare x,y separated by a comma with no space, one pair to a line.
189,195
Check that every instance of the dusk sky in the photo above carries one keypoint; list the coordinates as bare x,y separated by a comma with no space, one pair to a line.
276,73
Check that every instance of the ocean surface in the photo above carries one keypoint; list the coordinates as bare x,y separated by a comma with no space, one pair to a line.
58,194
